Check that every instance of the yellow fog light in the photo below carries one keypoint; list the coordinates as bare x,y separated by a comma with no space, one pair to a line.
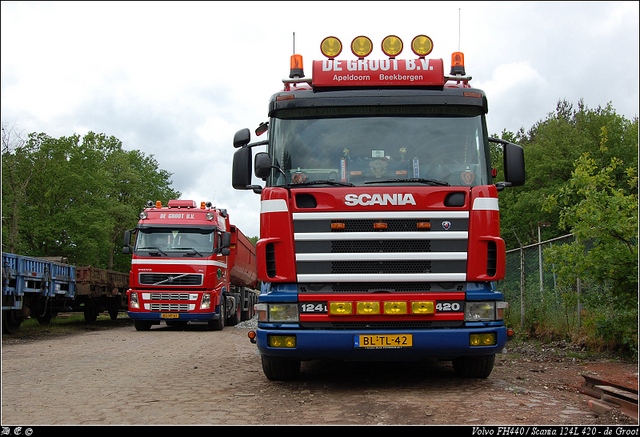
395,308
340,308
331,47
392,46
368,308
361,46
284,341
482,339
422,45
422,307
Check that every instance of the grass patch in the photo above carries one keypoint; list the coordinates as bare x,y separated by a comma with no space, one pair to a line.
66,323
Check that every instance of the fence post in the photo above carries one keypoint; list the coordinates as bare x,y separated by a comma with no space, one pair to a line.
541,224
579,290
521,281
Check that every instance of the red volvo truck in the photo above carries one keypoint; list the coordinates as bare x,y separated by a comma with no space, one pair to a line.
379,222
189,265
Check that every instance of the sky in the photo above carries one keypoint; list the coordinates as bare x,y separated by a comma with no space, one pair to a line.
176,80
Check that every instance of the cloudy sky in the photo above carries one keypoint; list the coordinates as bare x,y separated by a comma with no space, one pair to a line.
177,80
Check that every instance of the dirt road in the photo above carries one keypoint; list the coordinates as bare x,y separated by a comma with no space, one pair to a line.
199,377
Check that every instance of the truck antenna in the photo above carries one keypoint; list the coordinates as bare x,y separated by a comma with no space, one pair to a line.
458,29
294,43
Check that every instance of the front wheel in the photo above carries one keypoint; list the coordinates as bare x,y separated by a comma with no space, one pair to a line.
280,369
142,325
475,366
218,325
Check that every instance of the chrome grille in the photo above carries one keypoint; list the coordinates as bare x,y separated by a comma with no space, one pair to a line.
173,307
169,296
402,253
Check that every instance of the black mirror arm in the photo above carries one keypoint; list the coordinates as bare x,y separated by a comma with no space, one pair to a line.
258,143
502,185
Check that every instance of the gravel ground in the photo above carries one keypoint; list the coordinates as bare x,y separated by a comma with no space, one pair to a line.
167,376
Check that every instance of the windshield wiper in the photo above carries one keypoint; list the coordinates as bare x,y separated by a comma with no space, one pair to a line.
420,180
150,248
321,182
190,248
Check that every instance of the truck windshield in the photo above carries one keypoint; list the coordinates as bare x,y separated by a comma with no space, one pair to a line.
393,150
161,241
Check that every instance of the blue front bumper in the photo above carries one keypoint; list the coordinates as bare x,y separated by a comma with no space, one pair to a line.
341,344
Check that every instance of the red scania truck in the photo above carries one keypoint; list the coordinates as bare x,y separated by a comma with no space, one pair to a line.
379,221
189,265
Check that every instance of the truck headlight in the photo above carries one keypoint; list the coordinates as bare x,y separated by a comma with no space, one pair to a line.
206,301
278,312
133,300
479,311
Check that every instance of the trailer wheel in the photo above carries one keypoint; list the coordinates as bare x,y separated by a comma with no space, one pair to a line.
280,369
45,319
90,313
11,322
475,366
142,325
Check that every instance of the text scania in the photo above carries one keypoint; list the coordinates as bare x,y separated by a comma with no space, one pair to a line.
379,199
375,65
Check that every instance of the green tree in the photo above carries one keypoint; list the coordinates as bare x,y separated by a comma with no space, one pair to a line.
603,216
599,206
551,148
20,164
74,196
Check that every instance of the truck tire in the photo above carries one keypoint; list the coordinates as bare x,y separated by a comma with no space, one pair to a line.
142,325
475,366
218,325
234,319
11,321
280,369
90,313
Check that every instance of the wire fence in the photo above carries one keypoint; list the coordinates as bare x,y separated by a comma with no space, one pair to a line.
533,291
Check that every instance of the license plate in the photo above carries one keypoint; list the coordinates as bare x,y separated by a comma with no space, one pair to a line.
383,341
169,316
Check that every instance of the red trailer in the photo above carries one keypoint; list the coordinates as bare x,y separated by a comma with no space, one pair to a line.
189,265
98,290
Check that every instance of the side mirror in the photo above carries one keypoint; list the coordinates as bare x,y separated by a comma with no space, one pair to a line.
225,244
514,164
241,138
241,170
226,239
262,164
513,159
126,245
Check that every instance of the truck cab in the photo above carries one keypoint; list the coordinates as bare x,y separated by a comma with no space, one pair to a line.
380,230
185,267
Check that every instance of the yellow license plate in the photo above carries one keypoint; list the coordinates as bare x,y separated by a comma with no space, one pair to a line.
384,341
169,316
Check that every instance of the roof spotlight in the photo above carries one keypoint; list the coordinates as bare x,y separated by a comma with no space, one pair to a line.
331,47
361,46
422,45
392,46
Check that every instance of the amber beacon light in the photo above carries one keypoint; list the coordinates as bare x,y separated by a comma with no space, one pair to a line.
296,69
457,63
